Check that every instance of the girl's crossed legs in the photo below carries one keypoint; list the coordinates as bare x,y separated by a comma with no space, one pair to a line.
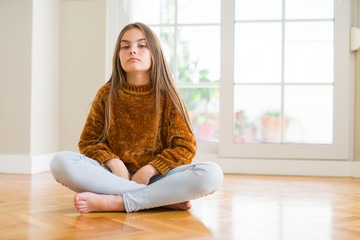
100,190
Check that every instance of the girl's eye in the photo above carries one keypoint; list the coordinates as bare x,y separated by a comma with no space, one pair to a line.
125,47
142,46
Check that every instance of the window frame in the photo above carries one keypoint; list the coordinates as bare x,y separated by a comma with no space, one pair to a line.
343,97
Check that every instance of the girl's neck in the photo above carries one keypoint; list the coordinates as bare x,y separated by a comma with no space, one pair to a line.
138,79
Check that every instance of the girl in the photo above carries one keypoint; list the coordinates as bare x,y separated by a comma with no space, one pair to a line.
137,143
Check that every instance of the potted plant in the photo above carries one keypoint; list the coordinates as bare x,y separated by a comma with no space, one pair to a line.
245,130
271,126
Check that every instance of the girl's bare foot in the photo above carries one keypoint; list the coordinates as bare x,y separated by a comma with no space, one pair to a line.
180,206
91,202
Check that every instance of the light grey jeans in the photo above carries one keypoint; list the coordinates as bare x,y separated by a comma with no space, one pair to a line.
180,184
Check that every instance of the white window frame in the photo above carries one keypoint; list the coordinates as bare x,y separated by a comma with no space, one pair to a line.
341,149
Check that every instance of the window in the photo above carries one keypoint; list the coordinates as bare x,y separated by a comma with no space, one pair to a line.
280,74
287,81
283,87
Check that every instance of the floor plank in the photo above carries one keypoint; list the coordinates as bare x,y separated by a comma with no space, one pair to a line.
246,207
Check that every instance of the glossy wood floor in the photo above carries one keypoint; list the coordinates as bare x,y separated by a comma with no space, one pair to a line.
246,207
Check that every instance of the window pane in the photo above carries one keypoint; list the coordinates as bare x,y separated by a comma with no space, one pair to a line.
257,114
309,9
203,108
258,9
309,110
309,52
198,11
258,52
167,40
161,11
198,54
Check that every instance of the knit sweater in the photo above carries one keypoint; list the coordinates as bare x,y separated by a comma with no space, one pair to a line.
133,130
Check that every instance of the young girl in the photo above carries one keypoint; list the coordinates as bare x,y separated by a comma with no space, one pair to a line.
137,143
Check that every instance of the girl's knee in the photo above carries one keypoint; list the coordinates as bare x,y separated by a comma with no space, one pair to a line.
64,168
211,177
61,162
215,174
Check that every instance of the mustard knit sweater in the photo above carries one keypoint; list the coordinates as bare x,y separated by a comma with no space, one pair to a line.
132,131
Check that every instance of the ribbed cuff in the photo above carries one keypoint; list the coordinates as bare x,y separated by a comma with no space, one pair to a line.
160,166
103,156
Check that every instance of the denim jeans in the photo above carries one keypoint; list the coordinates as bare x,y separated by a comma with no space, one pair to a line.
180,184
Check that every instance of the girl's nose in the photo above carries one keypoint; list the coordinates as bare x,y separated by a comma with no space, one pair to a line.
133,50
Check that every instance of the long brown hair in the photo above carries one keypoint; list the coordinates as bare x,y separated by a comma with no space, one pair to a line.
160,76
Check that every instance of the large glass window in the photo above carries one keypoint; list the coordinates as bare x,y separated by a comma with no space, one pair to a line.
284,72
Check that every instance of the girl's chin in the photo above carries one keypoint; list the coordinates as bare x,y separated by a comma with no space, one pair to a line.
136,70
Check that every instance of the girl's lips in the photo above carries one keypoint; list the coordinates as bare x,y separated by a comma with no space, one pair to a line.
133,60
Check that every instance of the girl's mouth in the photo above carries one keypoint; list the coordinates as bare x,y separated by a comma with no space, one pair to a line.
133,60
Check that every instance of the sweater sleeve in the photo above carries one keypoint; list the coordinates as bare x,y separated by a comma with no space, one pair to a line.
89,143
181,144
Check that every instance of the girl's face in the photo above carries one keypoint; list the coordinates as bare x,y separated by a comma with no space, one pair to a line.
134,53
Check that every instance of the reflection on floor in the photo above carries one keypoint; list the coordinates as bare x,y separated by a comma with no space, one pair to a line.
246,207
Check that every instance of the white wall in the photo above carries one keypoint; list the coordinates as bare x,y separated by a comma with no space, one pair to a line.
82,64
15,75
52,62
29,84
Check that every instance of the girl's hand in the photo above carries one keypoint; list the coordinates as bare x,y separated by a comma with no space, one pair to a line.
144,174
118,168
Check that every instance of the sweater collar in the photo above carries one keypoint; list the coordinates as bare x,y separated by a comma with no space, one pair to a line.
137,90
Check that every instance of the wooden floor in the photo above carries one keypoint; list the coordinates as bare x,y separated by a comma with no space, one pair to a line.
246,207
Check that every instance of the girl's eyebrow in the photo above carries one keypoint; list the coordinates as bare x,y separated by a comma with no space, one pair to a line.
139,40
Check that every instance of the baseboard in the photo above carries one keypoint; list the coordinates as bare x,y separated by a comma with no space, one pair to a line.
25,164
323,168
